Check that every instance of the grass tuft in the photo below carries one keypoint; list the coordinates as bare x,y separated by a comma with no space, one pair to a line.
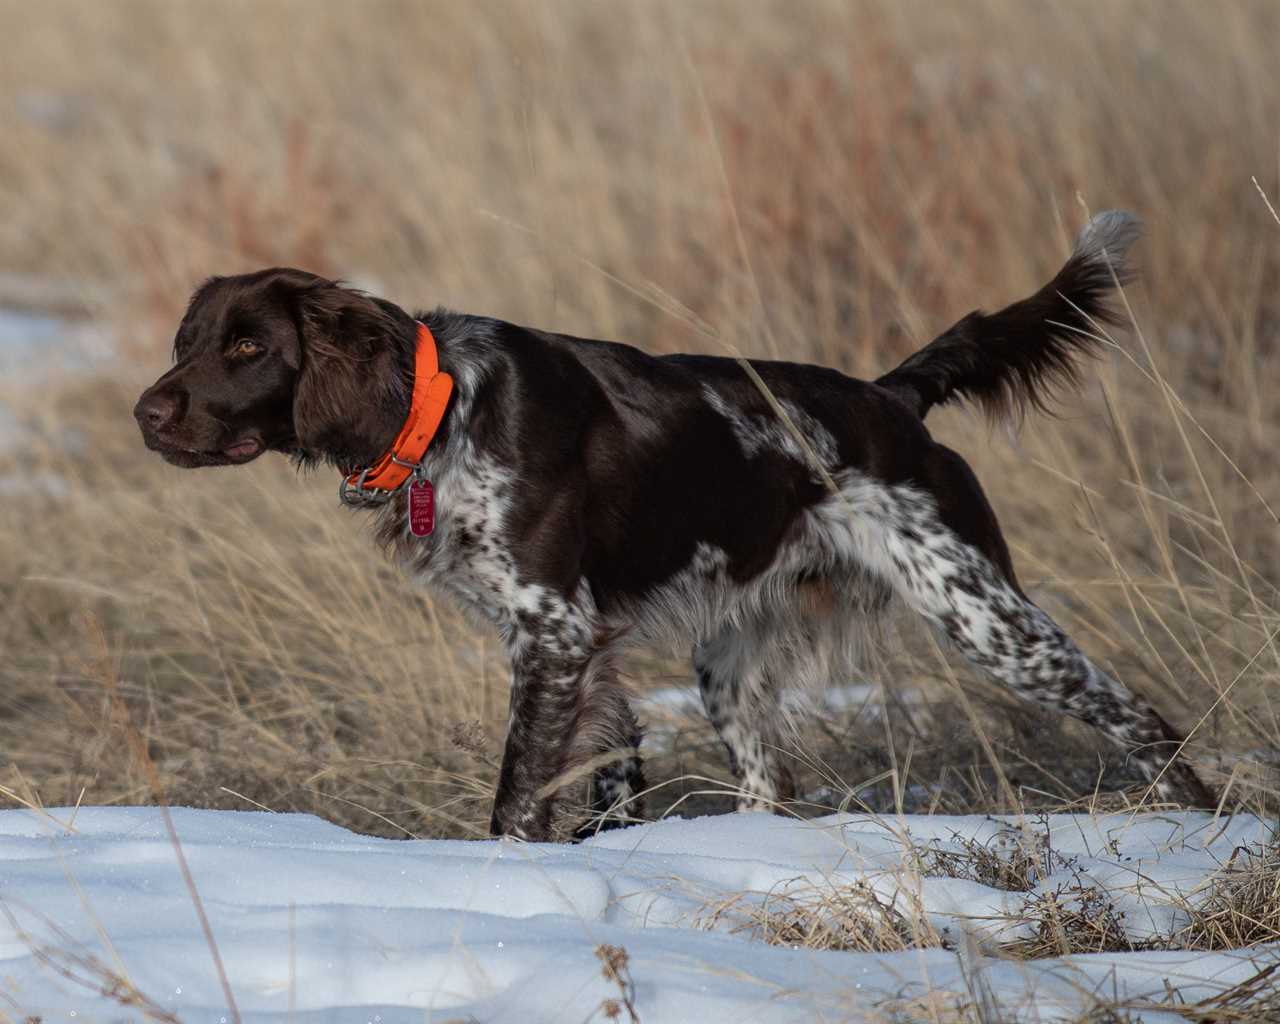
1241,906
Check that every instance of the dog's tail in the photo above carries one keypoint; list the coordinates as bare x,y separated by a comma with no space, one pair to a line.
1018,357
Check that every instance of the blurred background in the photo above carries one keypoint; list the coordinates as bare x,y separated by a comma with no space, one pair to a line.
591,168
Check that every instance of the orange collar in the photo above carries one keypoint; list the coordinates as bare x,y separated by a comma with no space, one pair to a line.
431,391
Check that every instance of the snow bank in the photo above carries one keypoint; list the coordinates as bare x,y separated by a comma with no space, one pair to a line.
34,348
350,928
32,344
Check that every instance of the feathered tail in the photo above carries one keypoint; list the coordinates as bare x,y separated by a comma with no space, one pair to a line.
1020,356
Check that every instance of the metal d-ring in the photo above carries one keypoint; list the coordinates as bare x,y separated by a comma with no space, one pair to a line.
415,466
419,469
354,495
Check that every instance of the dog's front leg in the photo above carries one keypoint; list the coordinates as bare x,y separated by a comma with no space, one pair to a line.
551,670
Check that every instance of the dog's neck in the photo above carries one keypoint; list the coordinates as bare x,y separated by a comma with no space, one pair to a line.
428,401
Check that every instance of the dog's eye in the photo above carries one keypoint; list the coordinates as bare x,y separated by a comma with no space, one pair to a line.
245,347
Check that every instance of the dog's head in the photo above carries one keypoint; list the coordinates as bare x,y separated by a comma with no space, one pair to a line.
281,360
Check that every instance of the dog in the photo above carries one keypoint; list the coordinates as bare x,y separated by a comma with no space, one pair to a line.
580,495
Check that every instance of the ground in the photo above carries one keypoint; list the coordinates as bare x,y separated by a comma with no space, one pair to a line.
828,182
669,921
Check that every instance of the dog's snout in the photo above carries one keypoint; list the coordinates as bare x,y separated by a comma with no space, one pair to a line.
156,411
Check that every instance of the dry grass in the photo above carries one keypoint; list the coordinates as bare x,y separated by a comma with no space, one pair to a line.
1241,906
1074,918
850,918
586,168
1014,860
83,970
1237,908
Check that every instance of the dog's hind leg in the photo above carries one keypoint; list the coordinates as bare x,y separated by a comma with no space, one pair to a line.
940,547
617,786
743,701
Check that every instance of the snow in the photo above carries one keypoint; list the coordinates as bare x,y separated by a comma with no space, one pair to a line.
344,927
35,344
668,709
684,700
34,348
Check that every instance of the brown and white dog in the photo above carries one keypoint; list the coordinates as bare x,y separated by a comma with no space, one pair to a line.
588,495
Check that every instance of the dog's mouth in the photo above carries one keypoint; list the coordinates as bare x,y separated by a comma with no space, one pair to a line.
242,451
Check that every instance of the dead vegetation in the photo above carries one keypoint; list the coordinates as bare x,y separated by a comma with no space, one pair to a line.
1015,860
1238,907
890,166
849,918
1074,918
69,960
615,965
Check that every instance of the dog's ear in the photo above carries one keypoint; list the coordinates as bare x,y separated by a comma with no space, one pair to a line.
353,391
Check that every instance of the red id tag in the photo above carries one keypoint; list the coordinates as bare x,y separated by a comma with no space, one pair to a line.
422,508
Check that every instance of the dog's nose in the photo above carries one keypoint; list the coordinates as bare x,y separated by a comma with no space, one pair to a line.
155,412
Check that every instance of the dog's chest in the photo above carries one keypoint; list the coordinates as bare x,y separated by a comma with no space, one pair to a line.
467,553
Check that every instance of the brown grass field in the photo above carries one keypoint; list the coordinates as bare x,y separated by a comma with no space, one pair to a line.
829,182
